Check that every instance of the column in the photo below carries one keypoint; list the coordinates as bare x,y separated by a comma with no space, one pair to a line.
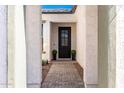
91,64
33,45
46,41
11,28
20,49
106,46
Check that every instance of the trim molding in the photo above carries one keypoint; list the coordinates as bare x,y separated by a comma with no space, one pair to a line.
33,85
90,85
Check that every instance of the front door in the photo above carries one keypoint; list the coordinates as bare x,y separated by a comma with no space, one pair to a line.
64,42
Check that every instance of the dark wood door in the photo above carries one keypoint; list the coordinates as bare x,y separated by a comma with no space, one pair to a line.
64,42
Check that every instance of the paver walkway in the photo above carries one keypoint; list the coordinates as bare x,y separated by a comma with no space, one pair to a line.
63,75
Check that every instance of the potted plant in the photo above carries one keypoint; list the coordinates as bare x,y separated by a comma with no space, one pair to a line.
44,62
54,52
73,54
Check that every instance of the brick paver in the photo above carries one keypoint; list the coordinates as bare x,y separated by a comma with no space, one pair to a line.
63,75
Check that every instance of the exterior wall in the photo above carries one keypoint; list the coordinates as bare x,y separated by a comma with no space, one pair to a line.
81,34
120,46
3,46
33,45
87,43
11,46
102,46
59,17
54,35
112,47
19,49
106,46
46,55
91,64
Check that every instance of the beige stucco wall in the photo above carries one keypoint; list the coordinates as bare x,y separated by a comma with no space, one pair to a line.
19,48
106,46
33,45
59,17
87,43
11,46
112,47
91,63
46,40
81,34
54,35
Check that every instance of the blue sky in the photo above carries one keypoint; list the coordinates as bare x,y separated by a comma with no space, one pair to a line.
69,7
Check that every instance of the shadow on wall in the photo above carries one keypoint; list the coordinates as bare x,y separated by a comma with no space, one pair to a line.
106,53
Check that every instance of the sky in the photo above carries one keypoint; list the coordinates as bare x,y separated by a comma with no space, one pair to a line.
69,7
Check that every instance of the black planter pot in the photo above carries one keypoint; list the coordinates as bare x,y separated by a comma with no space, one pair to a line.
54,57
73,57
